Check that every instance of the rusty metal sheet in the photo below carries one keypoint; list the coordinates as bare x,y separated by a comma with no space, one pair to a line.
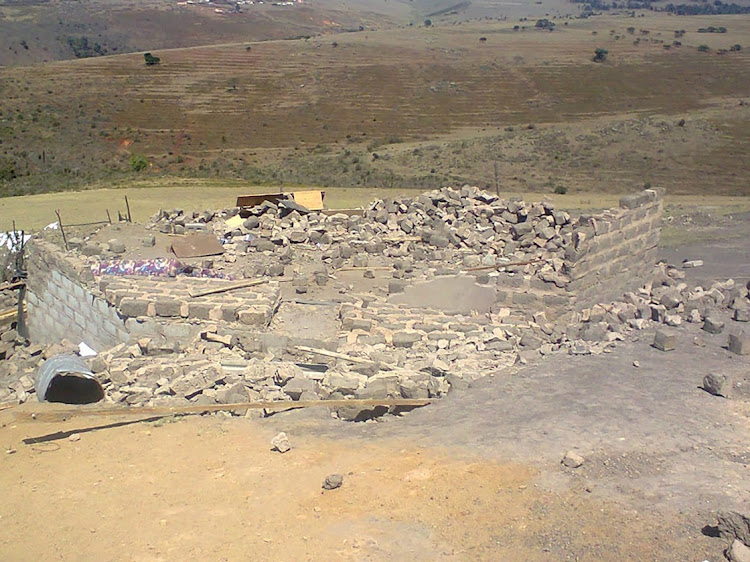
312,200
254,200
197,246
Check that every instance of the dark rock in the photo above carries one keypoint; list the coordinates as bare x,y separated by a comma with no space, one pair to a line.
734,525
664,340
333,481
713,325
717,384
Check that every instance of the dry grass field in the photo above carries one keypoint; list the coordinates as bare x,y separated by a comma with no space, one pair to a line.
413,107
32,212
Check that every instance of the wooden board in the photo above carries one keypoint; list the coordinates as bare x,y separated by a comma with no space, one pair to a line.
254,200
53,415
312,200
197,246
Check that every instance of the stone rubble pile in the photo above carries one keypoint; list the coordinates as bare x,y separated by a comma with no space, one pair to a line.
407,353
465,226
668,300
137,375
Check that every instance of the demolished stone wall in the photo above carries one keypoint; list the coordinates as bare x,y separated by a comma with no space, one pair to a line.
61,305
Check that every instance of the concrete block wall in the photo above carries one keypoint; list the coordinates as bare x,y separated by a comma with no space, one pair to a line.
65,300
614,252
61,306
527,294
398,326
162,307
168,299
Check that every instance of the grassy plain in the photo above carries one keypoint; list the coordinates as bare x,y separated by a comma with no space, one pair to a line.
33,212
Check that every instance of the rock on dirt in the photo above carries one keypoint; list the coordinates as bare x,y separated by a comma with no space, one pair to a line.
717,384
734,525
713,325
738,552
281,443
572,459
664,340
739,343
333,481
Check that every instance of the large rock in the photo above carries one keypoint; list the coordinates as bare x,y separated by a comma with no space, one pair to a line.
345,383
406,339
713,325
734,525
299,385
717,384
739,343
281,443
664,340
738,552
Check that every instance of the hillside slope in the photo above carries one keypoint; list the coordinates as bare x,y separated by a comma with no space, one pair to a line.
408,107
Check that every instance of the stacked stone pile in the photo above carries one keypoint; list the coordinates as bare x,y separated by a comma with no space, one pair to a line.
19,363
670,301
466,227
408,353
171,298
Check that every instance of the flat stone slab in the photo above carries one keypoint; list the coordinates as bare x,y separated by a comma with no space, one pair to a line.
456,294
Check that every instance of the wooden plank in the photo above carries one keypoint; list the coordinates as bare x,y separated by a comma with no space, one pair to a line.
10,314
258,198
348,212
364,268
62,415
312,200
11,286
335,355
502,265
226,288
197,246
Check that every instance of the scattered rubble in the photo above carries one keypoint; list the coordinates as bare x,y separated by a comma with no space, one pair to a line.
528,274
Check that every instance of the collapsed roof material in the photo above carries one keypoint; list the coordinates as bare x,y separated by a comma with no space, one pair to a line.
67,379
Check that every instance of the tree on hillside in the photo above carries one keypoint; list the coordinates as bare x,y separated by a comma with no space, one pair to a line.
151,60
7,170
427,23
600,55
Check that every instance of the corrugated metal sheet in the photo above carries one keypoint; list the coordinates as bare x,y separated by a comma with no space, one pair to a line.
62,365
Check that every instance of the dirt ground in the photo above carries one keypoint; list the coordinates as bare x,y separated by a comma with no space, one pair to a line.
476,476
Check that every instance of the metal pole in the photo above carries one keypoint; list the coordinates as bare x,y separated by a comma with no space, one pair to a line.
108,217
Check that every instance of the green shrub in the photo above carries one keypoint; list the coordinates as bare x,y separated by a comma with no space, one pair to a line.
150,59
600,55
7,170
561,190
138,163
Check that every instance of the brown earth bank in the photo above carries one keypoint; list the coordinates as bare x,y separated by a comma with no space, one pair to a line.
417,107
